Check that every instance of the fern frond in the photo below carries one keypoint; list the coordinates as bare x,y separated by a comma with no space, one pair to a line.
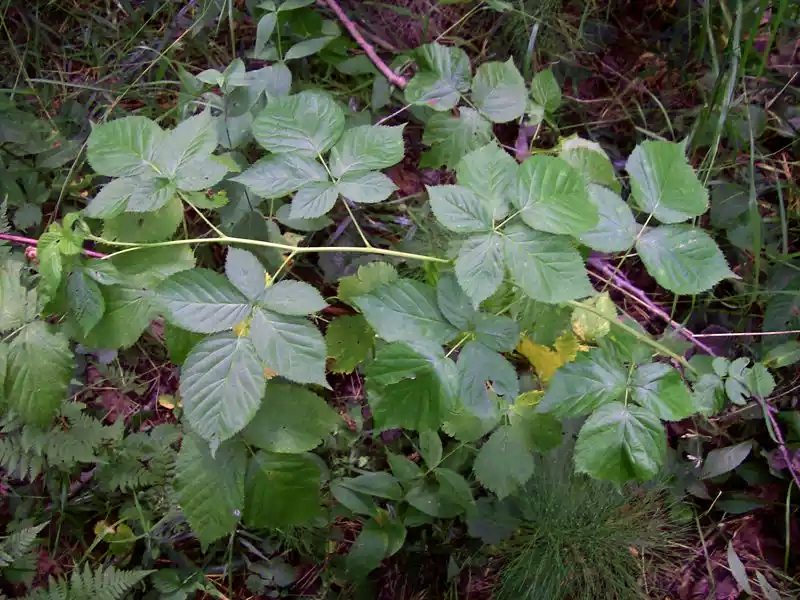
17,462
102,584
17,545
143,459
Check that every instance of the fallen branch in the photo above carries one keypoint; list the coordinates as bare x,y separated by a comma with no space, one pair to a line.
393,77
18,239
626,286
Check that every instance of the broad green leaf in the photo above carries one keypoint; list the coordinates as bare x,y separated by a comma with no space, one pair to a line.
443,76
307,47
368,278
777,357
145,267
85,300
200,174
202,300
38,370
724,460
479,265
128,312
455,488
583,386
246,272
590,160
616,229
279,175
155,226
367,148
546,267
125,147
18,305
491,174
403,468
621,443
682,259
264,29
459,209
590,326
306,225
112,198
708,394
659,388
193,139
430,447
282,490
179,342
313,200
451,138
542,431
553,197
504,462
210,489
406,389
291,347
350,341
760,380
466,427
308,123
366,188
405,310
664,184
380,484
499,92
428,497
498,332
292,298
150,194
353,501
454,303
291,420
484,375
546,91
51,264
222,383
367,551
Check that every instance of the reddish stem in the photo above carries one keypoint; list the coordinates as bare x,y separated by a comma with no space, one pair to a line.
18,239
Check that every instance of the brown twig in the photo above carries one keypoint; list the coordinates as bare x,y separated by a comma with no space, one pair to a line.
393,77
18,239
777,437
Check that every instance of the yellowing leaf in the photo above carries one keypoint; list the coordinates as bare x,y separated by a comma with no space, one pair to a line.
547,361
527,400
594,322
242,328
169,401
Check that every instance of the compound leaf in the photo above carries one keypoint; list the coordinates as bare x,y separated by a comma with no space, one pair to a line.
193,139
443,76
85,300
313,200
479,265
491,174
124,147
498,91
278,175
367,148
504,462
459,209
616,228
591,160
450,138
366,188
659,388
246,272
484,375
292,298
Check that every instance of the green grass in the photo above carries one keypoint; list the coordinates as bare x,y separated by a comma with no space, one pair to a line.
585,540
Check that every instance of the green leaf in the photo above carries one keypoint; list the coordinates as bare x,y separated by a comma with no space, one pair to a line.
504,462
546,91
305,225
584,385
455,488
724,460
590,326
85,300
405,310
282,490
292,298
682,259
153,226
466,427
313,200
499,92
778,357
403,468
308,123
279,175
664,184
542,431
406,389
112,198
453,303
150,194
18,305
210,489
760,380
380,484
591,160
659,388
36,395
350,341
491,174
124,147
443,76
201,174
353,501
307,47
498,332
179,342
367,551
430,499
616,229
290,346
451,138
202,300
459,209
368,278
430,447
291,420
546,267
51,264
264,30
144,268
484,375
246,272
479,265
222,383
553,197
366,188
367,148
621,443
128,312
193,139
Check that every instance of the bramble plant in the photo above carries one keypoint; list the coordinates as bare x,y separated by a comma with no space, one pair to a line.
440,356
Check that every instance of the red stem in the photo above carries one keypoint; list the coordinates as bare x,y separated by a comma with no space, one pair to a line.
18,239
